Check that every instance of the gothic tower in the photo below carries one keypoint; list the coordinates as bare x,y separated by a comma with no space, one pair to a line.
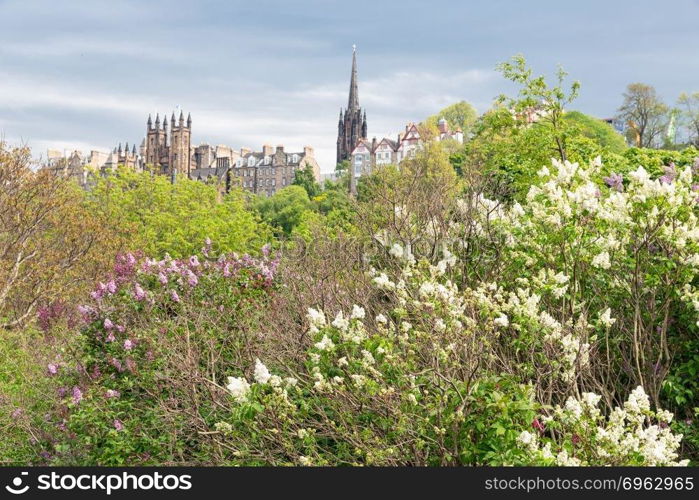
156,142
352,124
180,143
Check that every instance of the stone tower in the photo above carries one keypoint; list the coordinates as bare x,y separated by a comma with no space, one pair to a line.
171,157
180,142
156,142
352,124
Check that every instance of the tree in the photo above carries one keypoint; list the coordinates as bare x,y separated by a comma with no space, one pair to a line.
689,112
458,115
307,180
593,128
160,217
645,113
51,244
285,209
539,103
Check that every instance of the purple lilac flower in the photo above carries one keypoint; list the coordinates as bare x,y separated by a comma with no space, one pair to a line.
120,328
108,325
110,337
111,287
194,261
118,425
130,365
77,395
174,296
128,344
670,174
52,369
111,393
17,413
162,278
615,181
116,364
192,278
139,293
62,391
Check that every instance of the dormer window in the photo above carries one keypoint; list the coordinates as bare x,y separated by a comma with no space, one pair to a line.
251,161
267,159
296,158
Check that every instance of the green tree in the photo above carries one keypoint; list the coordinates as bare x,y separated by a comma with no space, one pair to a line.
286,208
458,115
600,132
159,217
645,113
307,180
537,102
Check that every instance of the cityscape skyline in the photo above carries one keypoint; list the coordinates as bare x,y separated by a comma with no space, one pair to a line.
276,73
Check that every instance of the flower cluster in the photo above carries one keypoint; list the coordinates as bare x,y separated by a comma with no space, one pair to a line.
579,434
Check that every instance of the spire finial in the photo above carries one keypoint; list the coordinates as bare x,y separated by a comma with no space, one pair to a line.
353,104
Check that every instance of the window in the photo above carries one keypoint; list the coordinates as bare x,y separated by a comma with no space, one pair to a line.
266,160
296,158
357,159
251,161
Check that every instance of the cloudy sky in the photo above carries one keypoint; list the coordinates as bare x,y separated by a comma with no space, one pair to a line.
86,74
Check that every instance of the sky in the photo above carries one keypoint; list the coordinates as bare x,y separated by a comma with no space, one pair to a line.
85,75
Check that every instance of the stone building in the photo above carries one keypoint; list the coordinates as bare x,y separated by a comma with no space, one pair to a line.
170,156
125,157
351,127
367,155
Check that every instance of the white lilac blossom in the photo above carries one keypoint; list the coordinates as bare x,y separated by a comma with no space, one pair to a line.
239,388
261,374
357,312
619,439
606,318
325,344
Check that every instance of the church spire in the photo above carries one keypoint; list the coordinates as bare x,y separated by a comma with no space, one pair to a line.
353,104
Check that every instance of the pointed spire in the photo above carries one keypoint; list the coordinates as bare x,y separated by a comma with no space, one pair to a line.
181,118
157,120
189,120
133,151
126,148
119,150
353,104
172,119
150,121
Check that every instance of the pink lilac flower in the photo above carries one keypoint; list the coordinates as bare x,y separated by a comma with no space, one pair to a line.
139,293
77,395
52,369
111,287
162,278
111,393
118,425
128,344
62,391
130,365
194,261
110,337
116,364
120,328
17,413
108,325
615,181
192,278
670,174
174,296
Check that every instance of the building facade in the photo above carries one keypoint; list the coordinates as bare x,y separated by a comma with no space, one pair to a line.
367,155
